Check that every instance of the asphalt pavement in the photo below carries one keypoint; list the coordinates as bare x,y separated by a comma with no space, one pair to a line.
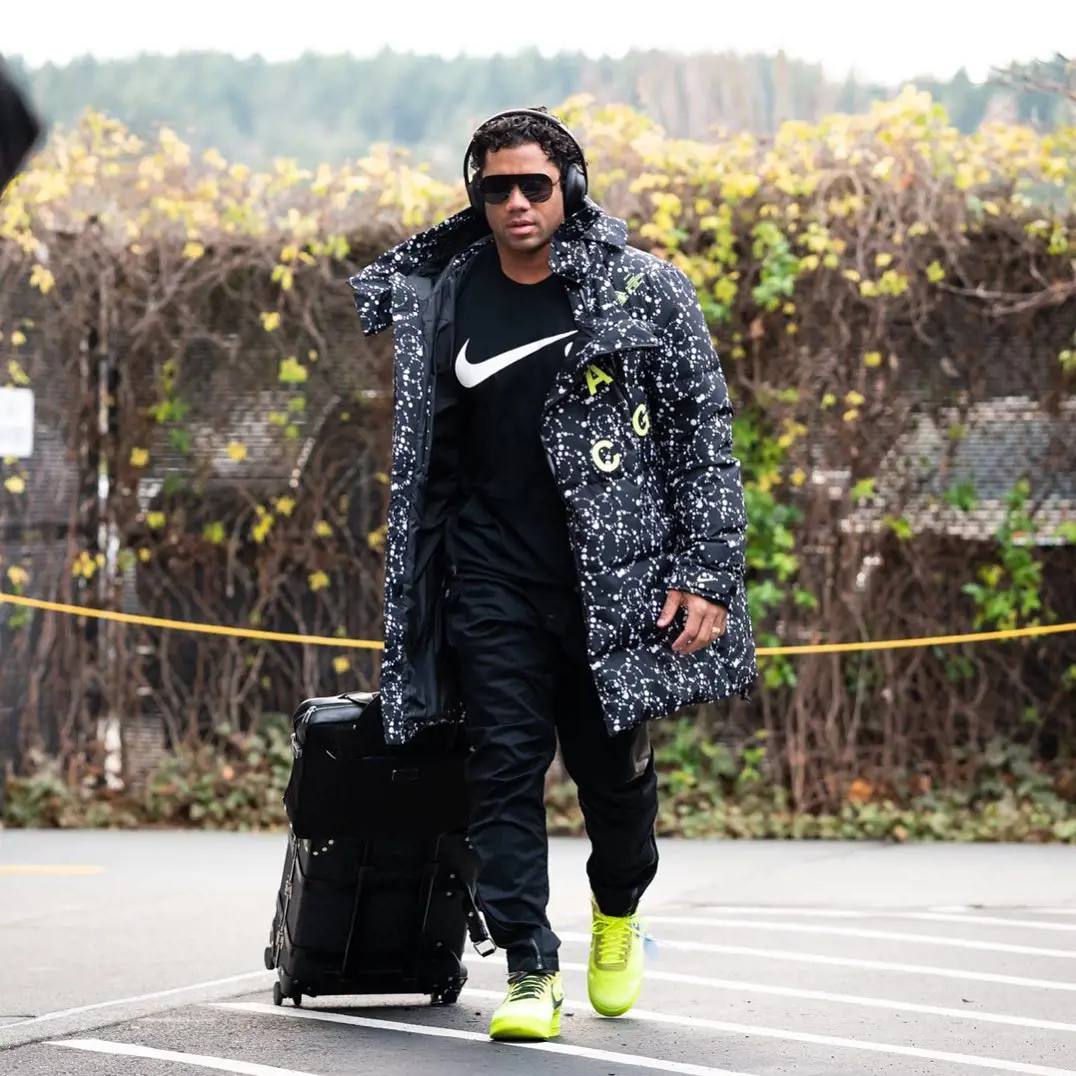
140,953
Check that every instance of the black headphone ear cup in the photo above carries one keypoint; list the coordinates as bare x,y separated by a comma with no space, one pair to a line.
474,196
470,183
575,189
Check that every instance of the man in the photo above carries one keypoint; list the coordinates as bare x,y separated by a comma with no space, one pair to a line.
565,551
19,129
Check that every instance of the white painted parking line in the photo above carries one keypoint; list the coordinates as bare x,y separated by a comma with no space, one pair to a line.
844,962
860,932
767,909
740,986
253,978
609,1056
984,920
998,1064
940,914
203,1061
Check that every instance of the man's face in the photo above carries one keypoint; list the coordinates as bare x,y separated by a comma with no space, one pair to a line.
518,224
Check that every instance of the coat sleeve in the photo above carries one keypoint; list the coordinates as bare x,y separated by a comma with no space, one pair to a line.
20,129
692,420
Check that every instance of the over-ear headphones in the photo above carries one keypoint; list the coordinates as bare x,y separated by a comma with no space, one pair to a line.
574,180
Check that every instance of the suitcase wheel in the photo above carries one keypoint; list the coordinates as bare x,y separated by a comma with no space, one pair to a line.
448,996
268,958
294,993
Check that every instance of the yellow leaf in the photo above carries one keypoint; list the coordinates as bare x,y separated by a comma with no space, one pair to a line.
798,477
84,566
883,168
376,539
853,398
18,577
850,415
322,529
139,457
264,525
341,664
15,484
143,555
155,520
872,358
42,279
17,373
18,338
292,371
284,275
193,250
237,451
270,320
882,260
285,505
318,580
935,272
828,400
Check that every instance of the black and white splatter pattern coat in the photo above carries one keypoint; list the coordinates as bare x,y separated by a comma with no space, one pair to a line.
637,430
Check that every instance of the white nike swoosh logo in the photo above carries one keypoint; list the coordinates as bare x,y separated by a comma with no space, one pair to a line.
471,374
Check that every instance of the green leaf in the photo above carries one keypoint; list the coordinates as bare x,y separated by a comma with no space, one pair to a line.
962,496
863,489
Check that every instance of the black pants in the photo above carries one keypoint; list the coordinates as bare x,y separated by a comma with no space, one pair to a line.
525,681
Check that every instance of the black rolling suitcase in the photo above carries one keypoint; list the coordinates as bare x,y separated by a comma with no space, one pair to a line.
377,892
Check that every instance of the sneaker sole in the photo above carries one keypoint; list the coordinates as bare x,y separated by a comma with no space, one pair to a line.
522,1030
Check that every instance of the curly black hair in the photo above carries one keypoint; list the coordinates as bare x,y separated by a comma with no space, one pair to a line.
505,132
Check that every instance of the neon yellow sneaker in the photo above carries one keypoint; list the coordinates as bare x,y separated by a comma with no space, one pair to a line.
531,1008
615,970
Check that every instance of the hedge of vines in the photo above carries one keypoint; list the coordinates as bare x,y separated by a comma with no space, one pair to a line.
895,307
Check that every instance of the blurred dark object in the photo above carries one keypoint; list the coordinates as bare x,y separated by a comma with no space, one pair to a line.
19,129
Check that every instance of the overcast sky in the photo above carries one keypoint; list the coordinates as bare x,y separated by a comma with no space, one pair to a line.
885,42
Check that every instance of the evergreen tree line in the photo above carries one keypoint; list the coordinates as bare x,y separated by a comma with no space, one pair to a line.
331,108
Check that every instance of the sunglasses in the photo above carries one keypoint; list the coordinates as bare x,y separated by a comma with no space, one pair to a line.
535,187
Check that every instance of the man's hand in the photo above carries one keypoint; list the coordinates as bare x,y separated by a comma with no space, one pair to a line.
705,620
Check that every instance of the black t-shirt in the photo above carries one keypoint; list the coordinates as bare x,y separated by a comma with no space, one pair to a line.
510,341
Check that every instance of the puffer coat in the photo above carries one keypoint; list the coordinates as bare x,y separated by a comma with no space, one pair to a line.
637,431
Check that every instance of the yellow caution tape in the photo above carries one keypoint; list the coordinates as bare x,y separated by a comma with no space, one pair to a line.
370,644
187,625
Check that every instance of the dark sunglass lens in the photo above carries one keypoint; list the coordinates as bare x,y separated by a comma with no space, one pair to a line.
535,188
496,189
